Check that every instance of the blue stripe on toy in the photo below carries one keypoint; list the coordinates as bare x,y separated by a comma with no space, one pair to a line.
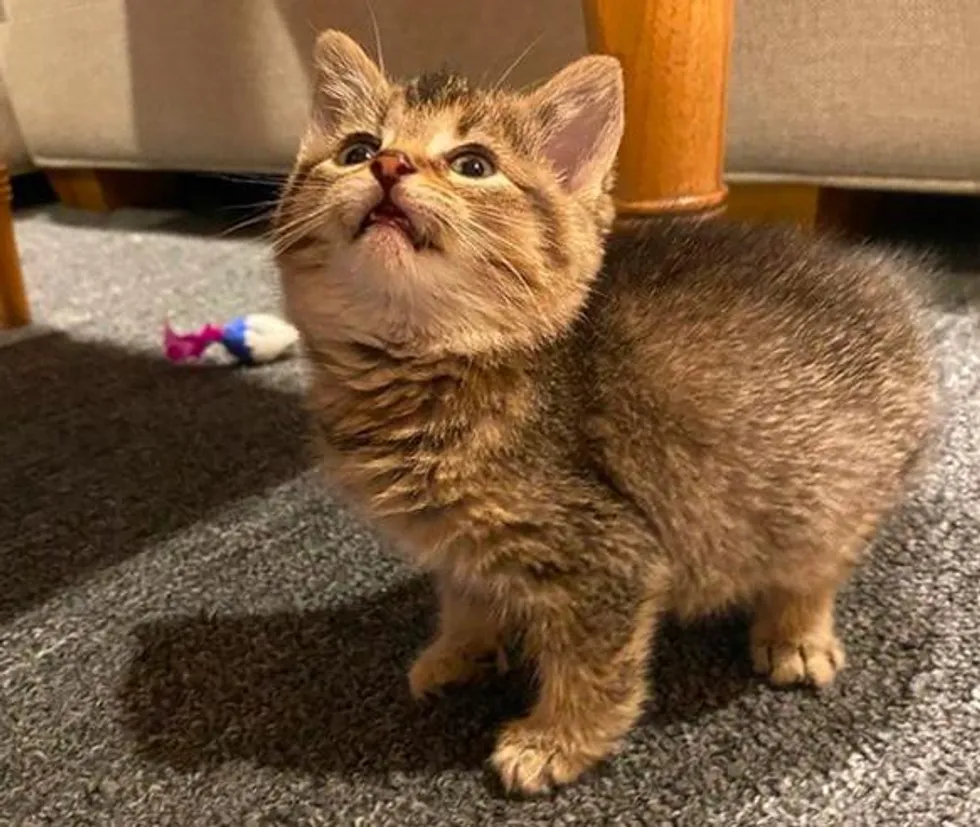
234,339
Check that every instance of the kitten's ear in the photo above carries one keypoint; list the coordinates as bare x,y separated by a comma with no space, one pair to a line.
581,113
345,77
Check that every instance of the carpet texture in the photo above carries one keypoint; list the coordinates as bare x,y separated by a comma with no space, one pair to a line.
192,634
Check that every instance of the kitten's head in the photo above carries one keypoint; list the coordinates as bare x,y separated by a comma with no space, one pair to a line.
439,218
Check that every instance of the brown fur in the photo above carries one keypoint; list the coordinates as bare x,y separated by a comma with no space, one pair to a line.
577,438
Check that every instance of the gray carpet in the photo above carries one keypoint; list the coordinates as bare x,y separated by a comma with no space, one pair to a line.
191,634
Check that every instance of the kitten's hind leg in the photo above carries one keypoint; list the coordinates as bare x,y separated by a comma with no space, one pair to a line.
467,646
793,639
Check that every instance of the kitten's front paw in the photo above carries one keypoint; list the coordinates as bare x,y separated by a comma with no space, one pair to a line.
814,660
533,761
442,664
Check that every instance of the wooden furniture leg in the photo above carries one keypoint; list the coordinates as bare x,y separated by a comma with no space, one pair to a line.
13,298
675,56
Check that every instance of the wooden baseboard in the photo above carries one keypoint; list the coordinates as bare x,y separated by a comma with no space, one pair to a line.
825,210
101,190
849,212
773,203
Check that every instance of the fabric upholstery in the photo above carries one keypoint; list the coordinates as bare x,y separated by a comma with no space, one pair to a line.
857,89
853,91
13,151
223,84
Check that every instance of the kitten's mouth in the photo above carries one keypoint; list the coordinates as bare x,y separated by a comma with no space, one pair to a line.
387,213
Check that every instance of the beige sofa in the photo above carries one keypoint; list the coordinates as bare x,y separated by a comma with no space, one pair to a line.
13,150
849,92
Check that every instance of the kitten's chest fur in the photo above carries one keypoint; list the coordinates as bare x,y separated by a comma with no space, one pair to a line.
426,448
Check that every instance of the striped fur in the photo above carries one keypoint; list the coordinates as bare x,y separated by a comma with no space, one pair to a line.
577,434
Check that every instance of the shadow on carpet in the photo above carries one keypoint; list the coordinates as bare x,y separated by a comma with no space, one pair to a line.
104,450
324,692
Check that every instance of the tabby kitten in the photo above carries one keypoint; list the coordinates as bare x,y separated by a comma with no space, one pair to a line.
577,434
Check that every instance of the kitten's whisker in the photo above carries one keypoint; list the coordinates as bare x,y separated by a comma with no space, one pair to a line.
469,226
517,61
285,239
251,221
292,231
501,243
249,177
284,242
457,220
267,203
377,36
466,229
520,90
295,216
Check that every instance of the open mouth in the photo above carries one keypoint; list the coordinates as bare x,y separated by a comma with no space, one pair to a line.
387,212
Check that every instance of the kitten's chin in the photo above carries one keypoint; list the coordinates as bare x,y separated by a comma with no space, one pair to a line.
379,290
388,247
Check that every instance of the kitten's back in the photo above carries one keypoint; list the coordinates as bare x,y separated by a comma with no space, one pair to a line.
790,314
757,390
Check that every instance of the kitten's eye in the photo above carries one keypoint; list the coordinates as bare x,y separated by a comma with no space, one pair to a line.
472,164
358,150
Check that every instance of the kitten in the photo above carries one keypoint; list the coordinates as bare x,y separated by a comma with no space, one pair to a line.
579,433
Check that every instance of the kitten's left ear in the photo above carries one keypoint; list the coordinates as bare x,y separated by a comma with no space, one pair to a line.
345,77
581,112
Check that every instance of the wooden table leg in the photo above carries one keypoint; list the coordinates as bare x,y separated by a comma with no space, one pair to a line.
13,299
675,56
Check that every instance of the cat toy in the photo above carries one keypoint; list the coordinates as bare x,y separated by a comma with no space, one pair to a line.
254,339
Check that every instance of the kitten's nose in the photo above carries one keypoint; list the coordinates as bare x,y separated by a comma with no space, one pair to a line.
389,165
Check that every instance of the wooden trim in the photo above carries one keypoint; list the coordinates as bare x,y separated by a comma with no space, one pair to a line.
849,212
675,56
774,203
14,311
103,190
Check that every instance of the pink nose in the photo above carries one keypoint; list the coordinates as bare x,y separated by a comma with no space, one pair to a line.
389,165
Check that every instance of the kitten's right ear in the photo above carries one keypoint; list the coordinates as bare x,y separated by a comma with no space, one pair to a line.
345,76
